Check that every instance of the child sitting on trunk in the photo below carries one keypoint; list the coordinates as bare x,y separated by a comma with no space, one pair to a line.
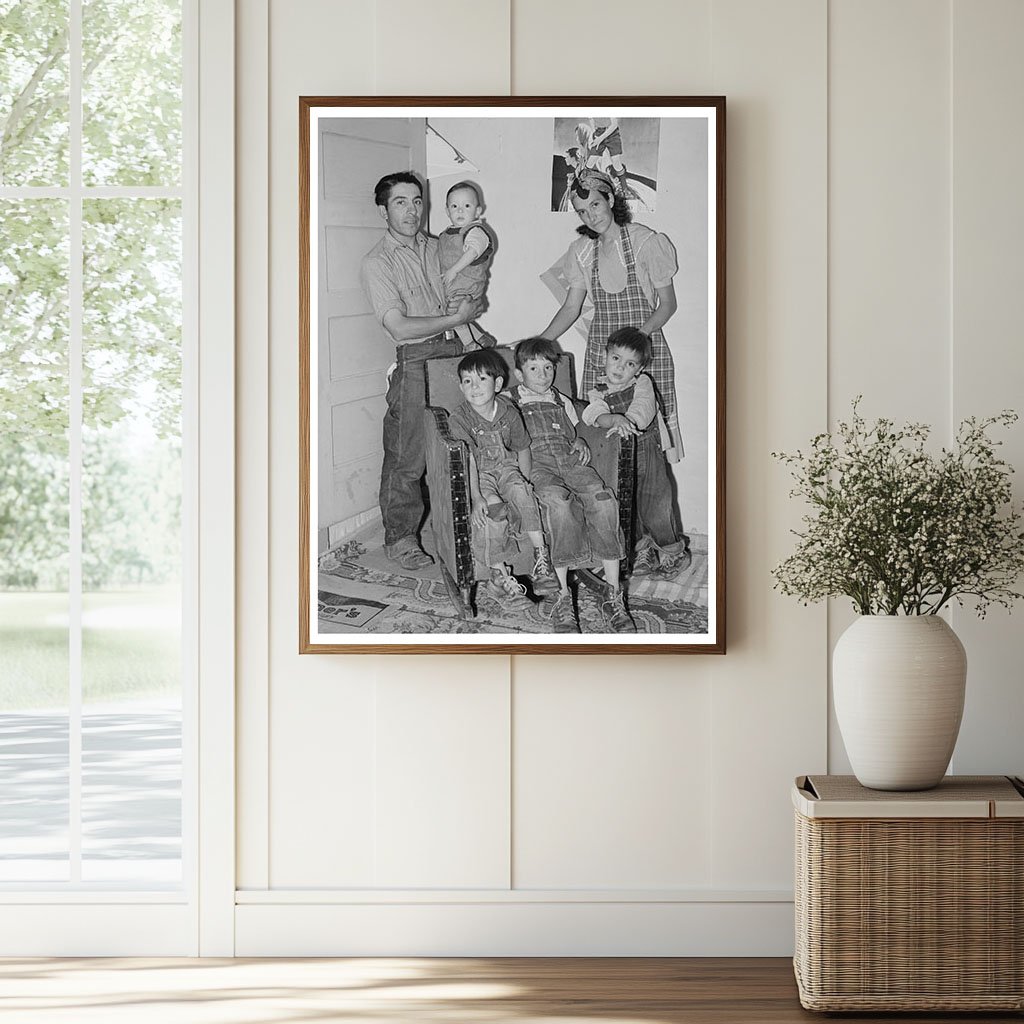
499,465
580,513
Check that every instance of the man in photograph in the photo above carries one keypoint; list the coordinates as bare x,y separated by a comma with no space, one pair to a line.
401,276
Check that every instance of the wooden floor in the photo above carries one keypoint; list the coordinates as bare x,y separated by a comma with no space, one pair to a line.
414,991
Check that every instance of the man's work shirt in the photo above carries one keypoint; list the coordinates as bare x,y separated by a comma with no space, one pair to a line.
405,278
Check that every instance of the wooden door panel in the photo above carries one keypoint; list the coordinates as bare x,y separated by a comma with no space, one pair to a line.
367,389
352,166
356,427
390,130
345,245
354,347
354,350
356,484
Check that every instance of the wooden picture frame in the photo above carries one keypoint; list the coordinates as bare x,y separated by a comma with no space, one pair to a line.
367,276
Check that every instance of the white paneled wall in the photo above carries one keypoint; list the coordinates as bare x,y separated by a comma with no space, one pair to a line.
889,242
440,48
620,761
569,48
986,371
889,211
768,694
441,801
616,805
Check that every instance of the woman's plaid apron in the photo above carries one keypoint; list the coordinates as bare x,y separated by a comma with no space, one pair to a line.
628,308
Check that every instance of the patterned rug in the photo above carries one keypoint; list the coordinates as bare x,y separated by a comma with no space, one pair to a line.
361,591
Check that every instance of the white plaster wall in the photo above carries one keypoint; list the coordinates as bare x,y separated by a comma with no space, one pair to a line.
627,805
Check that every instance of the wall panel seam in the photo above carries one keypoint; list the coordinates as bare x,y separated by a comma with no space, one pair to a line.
253,157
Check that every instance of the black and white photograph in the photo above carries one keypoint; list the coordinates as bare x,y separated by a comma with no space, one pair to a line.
511,375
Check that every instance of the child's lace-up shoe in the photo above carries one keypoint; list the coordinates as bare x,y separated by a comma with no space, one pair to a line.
543,577
672,565
562,614
646,561
504,590
613,611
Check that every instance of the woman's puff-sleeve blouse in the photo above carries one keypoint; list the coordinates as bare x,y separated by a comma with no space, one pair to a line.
654,254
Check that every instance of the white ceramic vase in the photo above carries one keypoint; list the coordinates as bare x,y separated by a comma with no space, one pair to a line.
898,684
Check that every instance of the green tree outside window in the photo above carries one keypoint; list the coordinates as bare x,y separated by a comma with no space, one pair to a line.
131,310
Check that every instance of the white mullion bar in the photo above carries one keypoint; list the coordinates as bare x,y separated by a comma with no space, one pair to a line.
216,300
43,894
190,460
34,192
95,192
134,192
75,298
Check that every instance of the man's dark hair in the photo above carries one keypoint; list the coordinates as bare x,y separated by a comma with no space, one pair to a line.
536,348
382,190
632,339
464,185
485,362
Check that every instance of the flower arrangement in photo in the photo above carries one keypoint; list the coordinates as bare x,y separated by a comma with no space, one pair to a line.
900,530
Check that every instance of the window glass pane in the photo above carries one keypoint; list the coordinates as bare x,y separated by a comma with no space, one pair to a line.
131,765
131,541
131,92
34,789
33,540
33,92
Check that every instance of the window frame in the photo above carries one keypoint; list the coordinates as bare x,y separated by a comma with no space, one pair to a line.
69,918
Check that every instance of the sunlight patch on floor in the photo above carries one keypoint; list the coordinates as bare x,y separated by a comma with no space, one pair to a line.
221,991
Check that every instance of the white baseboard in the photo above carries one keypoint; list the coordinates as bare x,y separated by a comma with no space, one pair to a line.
540,929
337,532
99,928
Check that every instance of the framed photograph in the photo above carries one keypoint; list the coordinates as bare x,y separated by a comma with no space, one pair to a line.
512,375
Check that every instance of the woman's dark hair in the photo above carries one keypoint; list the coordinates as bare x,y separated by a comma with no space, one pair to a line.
382,190
621,213
536,348
485,362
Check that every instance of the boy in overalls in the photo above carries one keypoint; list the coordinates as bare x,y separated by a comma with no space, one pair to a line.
580,513
624,401
499,464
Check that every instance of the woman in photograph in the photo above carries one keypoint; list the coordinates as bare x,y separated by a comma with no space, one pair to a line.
627,270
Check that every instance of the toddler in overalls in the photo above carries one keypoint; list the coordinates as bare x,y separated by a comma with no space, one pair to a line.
499,467
466,250
624,401
580,513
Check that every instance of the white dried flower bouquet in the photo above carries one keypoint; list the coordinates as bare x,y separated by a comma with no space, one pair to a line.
900,530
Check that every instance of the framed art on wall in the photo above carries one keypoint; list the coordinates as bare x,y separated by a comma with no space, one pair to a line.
512,377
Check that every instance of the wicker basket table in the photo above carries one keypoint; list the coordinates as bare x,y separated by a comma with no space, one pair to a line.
910,901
